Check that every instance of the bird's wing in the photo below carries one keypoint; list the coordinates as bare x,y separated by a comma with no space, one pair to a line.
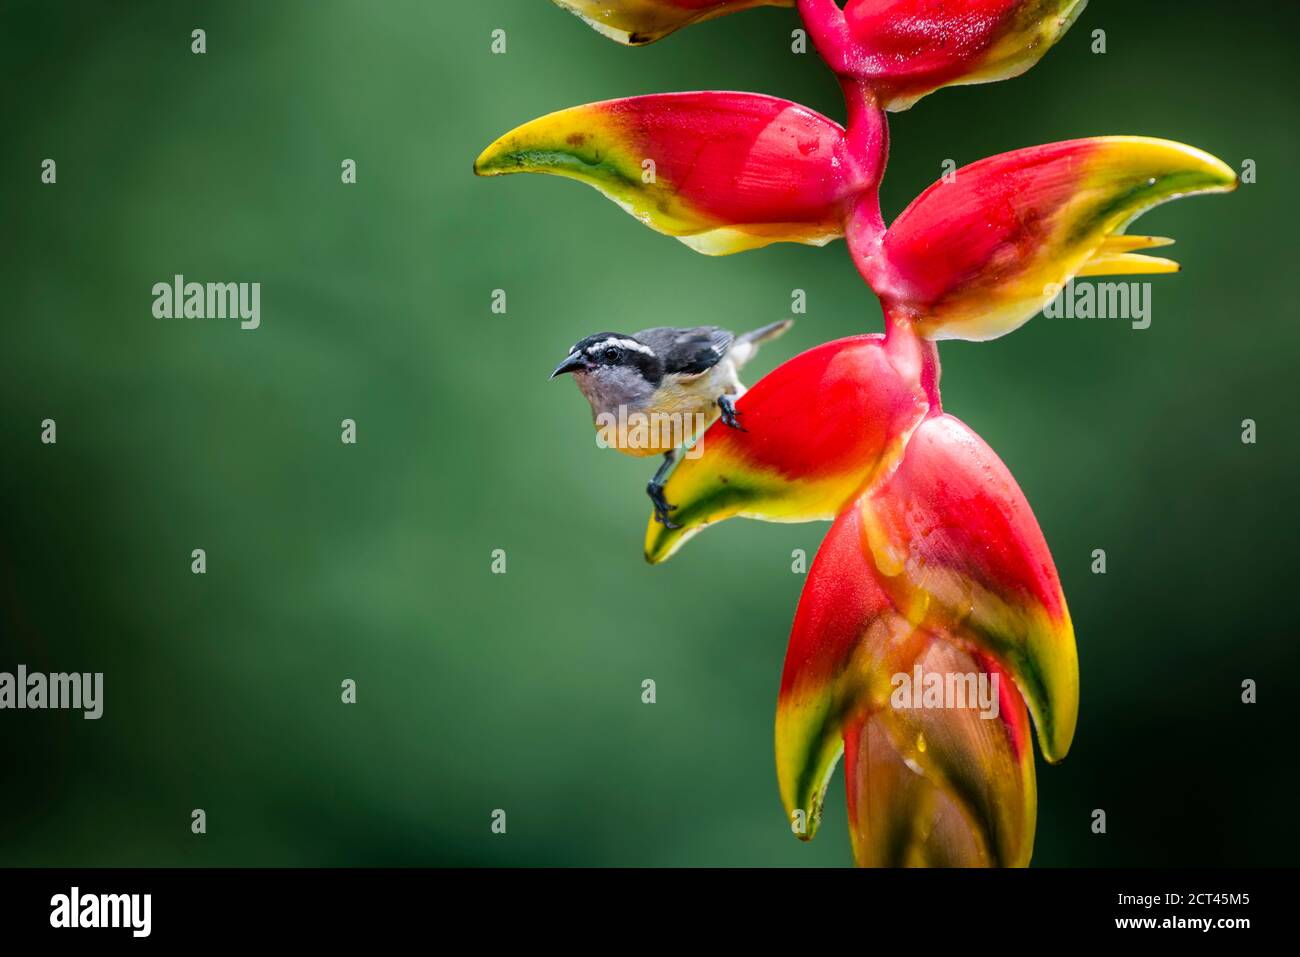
687,352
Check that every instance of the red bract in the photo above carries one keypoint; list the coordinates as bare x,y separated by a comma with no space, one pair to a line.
924,786
720,171
934,566
978,255
905,49
818,430
958,546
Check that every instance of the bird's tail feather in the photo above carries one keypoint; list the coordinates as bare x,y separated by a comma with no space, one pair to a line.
747,345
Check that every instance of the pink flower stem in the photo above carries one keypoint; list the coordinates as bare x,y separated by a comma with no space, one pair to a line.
867,143
829,31
864,228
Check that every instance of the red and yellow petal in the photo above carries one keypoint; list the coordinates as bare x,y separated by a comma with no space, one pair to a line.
953,785
818,429
637,22
722,172
976,257
846,642
959,551
905,49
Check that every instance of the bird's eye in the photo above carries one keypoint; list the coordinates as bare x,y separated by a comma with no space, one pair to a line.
611,354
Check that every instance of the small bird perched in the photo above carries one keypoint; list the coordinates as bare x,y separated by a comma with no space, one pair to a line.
678,381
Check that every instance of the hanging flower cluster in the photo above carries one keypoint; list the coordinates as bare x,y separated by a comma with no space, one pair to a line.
934,571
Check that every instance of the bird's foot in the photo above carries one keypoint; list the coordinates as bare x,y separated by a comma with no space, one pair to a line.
662,508
730,415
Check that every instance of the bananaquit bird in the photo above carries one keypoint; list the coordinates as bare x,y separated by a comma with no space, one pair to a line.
686,377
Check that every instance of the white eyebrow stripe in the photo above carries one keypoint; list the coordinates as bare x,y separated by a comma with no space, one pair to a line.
631,344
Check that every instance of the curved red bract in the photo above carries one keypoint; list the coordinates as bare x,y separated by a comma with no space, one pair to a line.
991,216
739,157
925,41
817,430
723,172
941,564
979,253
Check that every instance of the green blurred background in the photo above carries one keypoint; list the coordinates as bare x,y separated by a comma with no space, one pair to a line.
372,562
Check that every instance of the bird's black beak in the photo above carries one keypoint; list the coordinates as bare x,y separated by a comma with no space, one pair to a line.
571,364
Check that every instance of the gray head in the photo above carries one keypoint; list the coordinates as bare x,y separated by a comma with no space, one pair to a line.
613,369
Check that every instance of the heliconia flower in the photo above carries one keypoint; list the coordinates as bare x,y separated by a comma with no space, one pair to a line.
934,564
940,569
904,49
958,545
977,256
818,429
637,22
722,172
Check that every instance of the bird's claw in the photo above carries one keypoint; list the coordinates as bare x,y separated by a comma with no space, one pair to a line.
730,415
662,508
